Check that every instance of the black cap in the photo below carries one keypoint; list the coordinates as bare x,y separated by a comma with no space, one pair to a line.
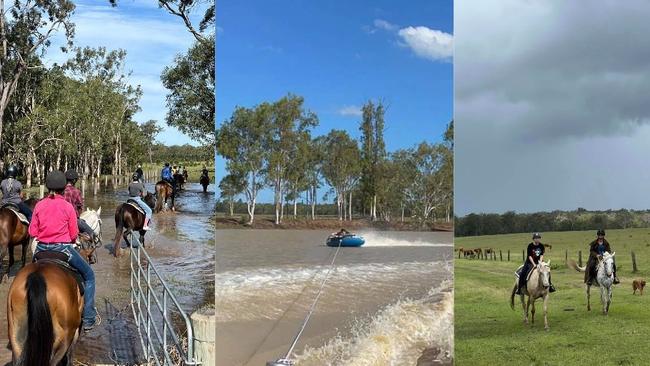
600,232
12,171
55,180
71,174
537,236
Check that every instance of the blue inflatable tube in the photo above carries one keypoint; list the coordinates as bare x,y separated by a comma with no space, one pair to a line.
345,241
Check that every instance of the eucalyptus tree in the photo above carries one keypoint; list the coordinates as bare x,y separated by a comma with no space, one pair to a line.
26,30
341,166
242,140
231,186
288,125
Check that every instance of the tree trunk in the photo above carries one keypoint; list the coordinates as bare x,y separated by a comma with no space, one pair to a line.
313,202
232,208
374,208
350,206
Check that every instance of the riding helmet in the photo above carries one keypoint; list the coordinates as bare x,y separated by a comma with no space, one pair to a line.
71,175
166,164
55,180
135,177
12,171
600,232
537,236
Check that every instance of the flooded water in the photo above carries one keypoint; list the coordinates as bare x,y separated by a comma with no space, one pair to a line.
383,304
183,251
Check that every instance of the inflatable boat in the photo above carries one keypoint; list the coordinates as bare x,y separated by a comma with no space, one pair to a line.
349,240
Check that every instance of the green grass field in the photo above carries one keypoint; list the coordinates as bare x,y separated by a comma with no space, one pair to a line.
488,332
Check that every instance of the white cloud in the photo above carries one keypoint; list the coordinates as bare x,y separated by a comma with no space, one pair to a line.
385,25
350,110
428,43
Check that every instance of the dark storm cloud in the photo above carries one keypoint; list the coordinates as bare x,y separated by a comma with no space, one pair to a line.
545,91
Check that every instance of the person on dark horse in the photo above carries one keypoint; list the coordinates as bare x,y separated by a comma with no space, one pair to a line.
597,248
185,174
11,192
137,192
535,255
73,195
205,179
167,175
140,173
55,226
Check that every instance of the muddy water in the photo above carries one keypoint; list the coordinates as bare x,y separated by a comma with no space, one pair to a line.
183,251
384,303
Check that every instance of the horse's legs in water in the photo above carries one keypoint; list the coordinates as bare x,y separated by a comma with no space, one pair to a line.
588,303
532,311
141,239
545,311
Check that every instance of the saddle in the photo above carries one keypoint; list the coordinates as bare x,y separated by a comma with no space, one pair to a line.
61,260
135,205
14,208
518,272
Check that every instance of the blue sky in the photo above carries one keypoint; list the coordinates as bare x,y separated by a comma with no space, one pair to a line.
151,37
337,55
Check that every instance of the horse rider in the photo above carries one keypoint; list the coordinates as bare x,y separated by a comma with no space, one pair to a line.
73,195
204,171
535,255
140,173
11,192
55,226
168,176
136,193
597,248
185,174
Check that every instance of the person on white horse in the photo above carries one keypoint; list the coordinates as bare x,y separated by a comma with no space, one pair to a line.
535,255
137,192
597,248
12,192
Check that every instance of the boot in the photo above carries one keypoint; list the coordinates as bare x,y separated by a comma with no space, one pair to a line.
616,281
551,288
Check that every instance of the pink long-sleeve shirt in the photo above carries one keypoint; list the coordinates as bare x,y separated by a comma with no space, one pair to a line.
54,221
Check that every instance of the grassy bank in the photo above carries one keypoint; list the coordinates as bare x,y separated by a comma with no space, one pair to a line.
321,223
488,332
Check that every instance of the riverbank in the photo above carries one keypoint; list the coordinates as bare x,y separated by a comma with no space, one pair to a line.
268,222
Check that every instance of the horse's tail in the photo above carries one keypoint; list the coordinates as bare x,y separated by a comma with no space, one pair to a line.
572,264
512,296
119,225
40,333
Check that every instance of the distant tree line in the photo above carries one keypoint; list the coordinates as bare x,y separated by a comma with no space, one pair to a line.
270,145
181,153
580,219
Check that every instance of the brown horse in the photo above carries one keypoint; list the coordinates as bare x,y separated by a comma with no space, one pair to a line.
164,190
205,181
127,219
13,232
44,308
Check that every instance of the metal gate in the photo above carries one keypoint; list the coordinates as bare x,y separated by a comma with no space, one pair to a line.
153,304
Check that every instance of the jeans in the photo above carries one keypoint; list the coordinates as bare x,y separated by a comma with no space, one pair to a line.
76,261
524,273
147,210
85,228
25,210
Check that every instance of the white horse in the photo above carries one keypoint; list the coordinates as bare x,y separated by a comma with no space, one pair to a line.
92,218
604,280
537,286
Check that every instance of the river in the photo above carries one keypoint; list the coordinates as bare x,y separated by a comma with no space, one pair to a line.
384,303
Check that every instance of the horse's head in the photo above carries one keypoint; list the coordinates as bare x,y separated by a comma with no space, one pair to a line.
608,263
93,219
545,273
150,200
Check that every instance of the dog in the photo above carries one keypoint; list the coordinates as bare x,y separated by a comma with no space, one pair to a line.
638,285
